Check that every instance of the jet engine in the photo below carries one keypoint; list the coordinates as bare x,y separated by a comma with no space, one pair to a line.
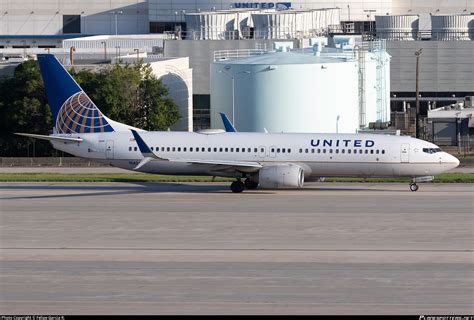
281,177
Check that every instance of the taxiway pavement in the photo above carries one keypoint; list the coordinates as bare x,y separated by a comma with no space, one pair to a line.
196,248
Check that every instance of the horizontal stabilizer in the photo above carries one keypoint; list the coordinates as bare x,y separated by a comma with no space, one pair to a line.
51,137
143,162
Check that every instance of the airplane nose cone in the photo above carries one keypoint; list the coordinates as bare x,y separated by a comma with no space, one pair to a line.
456,161
453,160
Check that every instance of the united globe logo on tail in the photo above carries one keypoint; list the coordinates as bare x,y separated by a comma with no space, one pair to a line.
79,114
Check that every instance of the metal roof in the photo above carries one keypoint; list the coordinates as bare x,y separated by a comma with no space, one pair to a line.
282,58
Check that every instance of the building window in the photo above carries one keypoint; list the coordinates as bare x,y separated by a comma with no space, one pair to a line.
71,23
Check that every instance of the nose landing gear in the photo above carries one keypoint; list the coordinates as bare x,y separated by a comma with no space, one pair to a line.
413,186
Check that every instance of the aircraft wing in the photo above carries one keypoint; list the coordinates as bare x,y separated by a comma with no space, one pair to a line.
51,138
150,155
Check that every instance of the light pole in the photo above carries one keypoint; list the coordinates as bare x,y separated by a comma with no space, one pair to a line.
417,97
138,53
369,16
458,120
116,13
117,52
233,102
105,50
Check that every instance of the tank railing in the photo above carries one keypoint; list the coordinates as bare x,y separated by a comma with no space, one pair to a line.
265,33
425,35
237,54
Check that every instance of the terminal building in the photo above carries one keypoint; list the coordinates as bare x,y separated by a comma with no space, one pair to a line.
197,29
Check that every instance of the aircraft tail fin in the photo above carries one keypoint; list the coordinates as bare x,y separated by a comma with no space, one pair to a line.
73,111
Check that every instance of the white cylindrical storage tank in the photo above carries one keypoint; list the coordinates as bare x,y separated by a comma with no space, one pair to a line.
397,27
286,92
452,27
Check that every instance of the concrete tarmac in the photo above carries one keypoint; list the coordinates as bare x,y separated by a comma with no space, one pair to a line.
196,248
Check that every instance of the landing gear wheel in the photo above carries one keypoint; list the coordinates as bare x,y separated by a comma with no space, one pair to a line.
251,184
237,186
413,187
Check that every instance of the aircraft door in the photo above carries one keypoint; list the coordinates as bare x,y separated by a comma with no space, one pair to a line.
109,149
272,151
405,153
261,152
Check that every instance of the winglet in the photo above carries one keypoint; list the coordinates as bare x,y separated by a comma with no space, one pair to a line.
229,127
146,151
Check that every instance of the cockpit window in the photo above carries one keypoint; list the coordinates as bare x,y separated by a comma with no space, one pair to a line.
431,150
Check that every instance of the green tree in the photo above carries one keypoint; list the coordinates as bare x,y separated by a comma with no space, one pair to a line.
23,108
130,94
156,111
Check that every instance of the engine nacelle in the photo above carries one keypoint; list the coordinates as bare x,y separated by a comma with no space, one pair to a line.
281,176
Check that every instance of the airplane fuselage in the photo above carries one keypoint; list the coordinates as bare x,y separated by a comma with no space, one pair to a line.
361,155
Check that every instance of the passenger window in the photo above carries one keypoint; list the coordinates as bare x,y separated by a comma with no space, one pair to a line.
366,151
301,150
305,150
377,151
312,150
135,148
289,150
203,149
168,149
319,150
237,149
337,150
262,150
324,150
283,150
197,149
360,151
215,149
174,149
343,151
151,148
371,151
226,149
179,149
209,149
278,150
330,150
129,148
220,149
184,149
191,149
255,150
231,149
348,150
272,150
383,151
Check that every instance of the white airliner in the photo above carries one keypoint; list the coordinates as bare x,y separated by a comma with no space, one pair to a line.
264,160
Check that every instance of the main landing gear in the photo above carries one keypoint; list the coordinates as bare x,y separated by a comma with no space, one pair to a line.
413,186
239,186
